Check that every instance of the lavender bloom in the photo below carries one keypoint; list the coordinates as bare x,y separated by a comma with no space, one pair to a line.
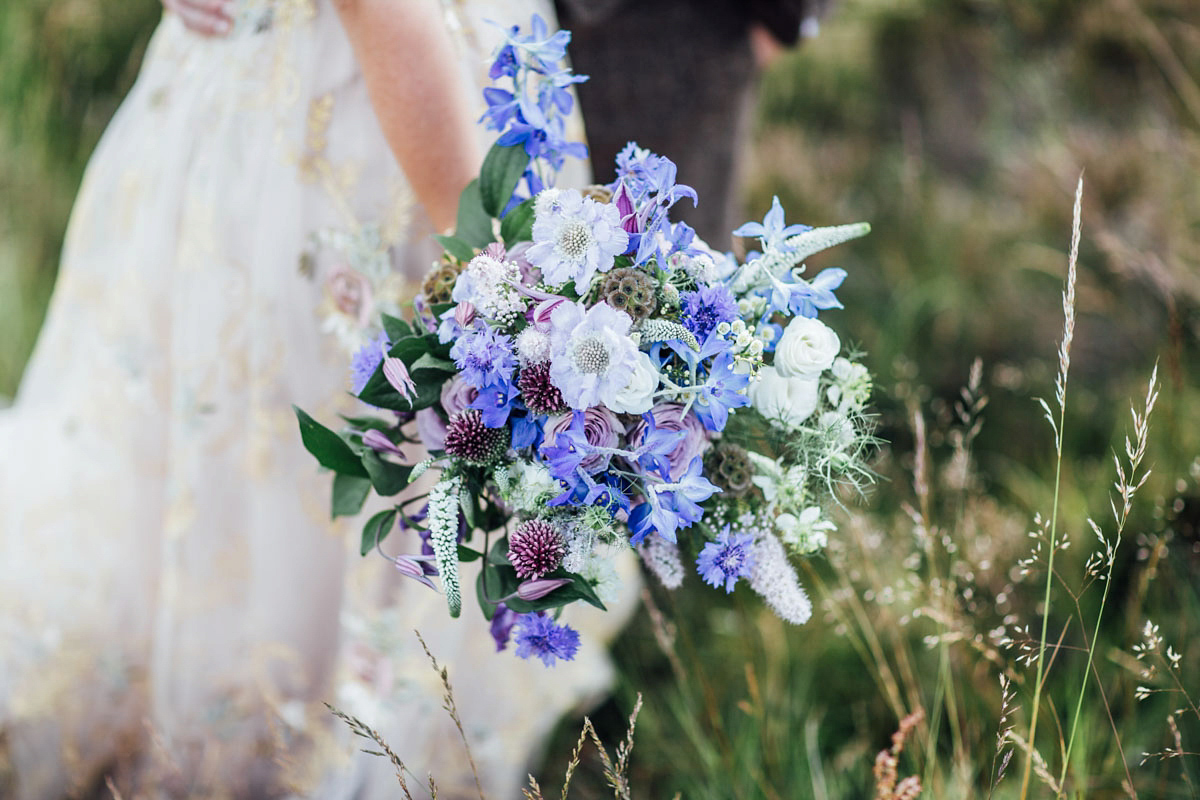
593,357
503,621
728,558
484,357
539,636
706,308
366,360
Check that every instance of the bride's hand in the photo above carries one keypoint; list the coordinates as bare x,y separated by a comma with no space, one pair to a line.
205,17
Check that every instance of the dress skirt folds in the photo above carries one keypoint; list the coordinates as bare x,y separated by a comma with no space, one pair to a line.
175,603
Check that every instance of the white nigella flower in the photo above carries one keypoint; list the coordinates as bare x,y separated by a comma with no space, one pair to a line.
806,533
528,486
593,358
783,489
598,570
574,237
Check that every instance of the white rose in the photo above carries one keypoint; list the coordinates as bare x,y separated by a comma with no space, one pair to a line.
807,347
791,400
638,395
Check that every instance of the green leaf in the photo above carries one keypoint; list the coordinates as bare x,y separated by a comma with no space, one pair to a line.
328,448
396,328
349,494
501,172
387,478
487,585
456,247
377,529
368,423
378,392
517,225
466,554
474,224
432,362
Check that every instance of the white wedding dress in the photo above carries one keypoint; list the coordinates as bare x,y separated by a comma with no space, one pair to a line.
175,605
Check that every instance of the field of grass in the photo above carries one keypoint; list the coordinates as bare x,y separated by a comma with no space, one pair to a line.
959,129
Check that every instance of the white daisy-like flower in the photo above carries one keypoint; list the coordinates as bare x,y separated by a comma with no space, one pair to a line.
574,237
593,358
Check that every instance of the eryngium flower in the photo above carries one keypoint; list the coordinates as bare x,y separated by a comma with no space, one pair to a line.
774,579
472,441
729,467
540,395
539,636
535,548
630,290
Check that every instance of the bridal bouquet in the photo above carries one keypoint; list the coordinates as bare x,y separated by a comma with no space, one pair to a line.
586,376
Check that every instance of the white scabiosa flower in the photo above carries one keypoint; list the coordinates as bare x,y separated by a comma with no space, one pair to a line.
774,579
593,357
662,559
599,571
574,237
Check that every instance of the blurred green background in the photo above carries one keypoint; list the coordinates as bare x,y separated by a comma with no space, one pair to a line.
958,128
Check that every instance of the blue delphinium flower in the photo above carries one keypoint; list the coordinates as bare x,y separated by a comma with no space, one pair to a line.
495,402
539,636
724,389
706,308
771,231
728,558
366,360
807,297
484,357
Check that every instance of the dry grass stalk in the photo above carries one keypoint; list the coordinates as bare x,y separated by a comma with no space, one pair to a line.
452,710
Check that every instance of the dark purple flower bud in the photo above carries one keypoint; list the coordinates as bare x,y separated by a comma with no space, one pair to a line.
502,625
416,567
537,589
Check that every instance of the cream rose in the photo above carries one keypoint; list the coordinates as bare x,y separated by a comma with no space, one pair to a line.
807,348
790,400
638,395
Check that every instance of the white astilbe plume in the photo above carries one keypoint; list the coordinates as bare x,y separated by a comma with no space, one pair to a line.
662,559
443,537
773,577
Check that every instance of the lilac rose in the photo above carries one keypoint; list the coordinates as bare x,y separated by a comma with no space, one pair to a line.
457,395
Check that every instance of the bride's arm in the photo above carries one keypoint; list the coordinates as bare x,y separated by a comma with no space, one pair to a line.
416,85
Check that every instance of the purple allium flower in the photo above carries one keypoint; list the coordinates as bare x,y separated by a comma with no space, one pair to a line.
484,356
728,558
540,395
366,360
539,636
574,237
593,357
535,548
502,624
472,441
706,308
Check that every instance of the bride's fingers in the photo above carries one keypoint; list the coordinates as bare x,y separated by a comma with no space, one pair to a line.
205,17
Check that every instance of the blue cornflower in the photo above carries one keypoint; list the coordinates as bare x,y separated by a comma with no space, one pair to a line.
484,357
724,388
366,360
771,231
725,560
706,308
539,636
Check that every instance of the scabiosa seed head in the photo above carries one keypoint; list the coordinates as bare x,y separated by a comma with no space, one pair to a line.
439,281
472,441
729,467
630,290
535,548
541,396
599,193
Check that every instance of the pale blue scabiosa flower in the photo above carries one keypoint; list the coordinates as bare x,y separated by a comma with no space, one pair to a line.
539,636
366,360
728,558
574,237
593,358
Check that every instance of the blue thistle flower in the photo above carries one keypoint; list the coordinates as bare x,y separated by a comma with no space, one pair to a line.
539,636
728,558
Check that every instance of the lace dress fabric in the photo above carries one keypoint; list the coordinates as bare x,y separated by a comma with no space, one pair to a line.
175,604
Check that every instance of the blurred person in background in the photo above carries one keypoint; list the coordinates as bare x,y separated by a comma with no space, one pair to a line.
175,605
678,78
